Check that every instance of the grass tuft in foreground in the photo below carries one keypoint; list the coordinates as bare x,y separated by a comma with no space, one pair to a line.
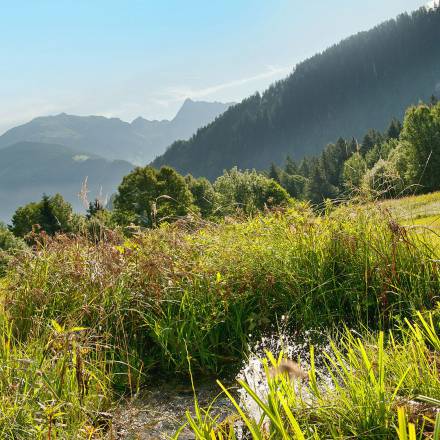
376,388
53,387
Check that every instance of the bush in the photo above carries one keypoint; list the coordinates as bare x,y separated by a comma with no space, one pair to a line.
248,192
383,180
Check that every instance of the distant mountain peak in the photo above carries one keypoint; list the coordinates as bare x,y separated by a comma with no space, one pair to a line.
200,109
138,120
138,142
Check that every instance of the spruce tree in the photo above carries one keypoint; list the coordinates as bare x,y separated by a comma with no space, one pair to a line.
318,188
47,218
371,139
274,173
394,129
304,167
291,167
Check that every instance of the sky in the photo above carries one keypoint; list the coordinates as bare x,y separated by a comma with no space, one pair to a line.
130,58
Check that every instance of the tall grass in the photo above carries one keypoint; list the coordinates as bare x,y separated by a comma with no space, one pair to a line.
139,305
377,389
208,289
51,388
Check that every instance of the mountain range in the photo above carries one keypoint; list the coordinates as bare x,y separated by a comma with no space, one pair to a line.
360,83
56,154
138,142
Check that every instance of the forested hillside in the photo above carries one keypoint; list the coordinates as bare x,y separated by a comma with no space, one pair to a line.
402,160
360,83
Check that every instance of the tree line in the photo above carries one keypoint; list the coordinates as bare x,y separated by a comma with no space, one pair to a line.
404,159
148,197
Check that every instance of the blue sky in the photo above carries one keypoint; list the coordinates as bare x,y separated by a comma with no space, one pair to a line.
130,58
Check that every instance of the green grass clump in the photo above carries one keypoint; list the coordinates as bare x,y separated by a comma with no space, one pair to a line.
51,388
377,389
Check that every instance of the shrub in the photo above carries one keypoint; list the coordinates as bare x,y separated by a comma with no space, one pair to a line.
383,180
9,245
248,191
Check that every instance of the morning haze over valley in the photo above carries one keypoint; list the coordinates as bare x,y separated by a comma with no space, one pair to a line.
220,220
57,153
343,91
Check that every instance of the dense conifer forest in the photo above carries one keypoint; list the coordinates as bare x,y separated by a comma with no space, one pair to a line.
358,84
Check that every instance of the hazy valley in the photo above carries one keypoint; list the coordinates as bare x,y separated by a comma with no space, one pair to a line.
56,154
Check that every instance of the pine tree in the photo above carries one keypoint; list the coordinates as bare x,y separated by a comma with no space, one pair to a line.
352,147
274,173
47,218
304,167
371,139
94,208
394,129
291,167
317,188
332,161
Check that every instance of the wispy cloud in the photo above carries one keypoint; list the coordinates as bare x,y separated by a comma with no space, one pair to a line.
179,93
134,99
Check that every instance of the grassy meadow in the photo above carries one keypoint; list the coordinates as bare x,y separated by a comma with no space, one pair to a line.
83,322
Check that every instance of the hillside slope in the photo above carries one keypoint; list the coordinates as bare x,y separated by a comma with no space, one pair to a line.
138,142
27,170
360,83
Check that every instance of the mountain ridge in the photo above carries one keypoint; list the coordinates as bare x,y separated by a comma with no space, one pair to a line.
360,83
139,141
